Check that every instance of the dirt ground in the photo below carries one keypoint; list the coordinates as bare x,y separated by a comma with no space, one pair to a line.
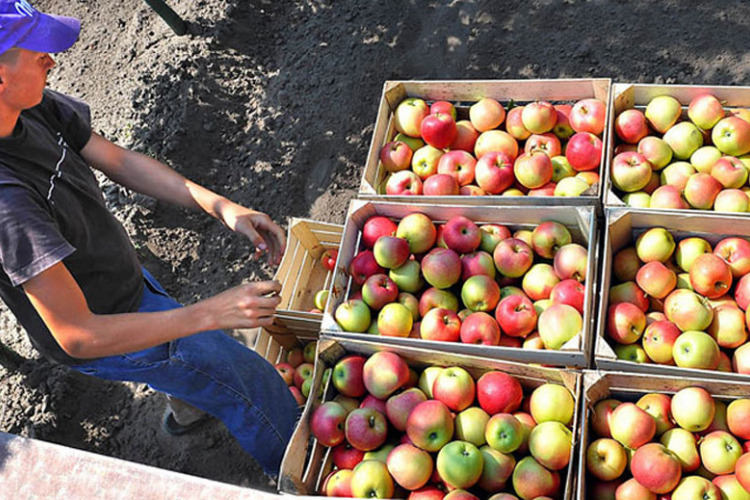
272,103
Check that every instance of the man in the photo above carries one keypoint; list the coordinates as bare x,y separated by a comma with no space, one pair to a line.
71,276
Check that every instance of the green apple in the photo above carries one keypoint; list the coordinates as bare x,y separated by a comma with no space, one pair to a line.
704,158
504,433
552,402
380,454
372,480
470,425
321,299
353,316
460,464
408,277
683,444
656,244
719,452
662,112
550,443
695,349
693,409
684,138
427,379
498,468
696,487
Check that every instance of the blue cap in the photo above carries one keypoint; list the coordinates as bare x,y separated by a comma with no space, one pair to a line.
21,25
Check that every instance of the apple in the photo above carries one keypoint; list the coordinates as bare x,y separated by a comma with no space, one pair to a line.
703,158
690,249
395,156
516,316
345,456
710,276
631,352
588,115
625,323
327,423
656,151
628,292
460,464
738,412
339,484
514,124
677,174
728,327
486,114
476,264
571,262
366,429
683,444
742,292
539,281
742,471
480,328
498,468
380,454
455,388
656,279
732,136
552,402
561,168
688,310
424,161
364,265
459,164
662,112
498,392
668,197
601,415
353,316
375,227
403,183
443,107
606,459
466,137
584,151
427,379
731,200
494,172
693,408
531,480
461,235
504,433
559,324
656,468
730,488
430,425
395,320
631,126
696,487
413,142
470,424
407,277
659,339
492,235
433,298
547,143
633,490
569,292
695,349
730,172
701,190
639,199
550,443
659,407
513,257
719,423
410,467
539,117
347,376
719,452
419,231
631,172
441,185
384,373
287,373
379,290
656,244
631,426
741,359
496,141
480,293
625,264
548,237
370,479
441,267
409,115
428,492
533,170
321,299
705,111
684,138
440,324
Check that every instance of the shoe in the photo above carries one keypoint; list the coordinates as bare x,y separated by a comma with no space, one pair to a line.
170,425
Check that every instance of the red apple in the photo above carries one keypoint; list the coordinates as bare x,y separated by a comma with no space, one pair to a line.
441,324
480,328
588,115
375,227
441,185
539,117
494,172
514,124
570,292
438,130
466,136
533,170
631,126
516,316
396,156
710,276
498,392
486,114
584,151
403,183
327,423
461,235
459,164
513,257
547,143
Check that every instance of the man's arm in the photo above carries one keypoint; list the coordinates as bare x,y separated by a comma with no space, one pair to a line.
58,299
151,177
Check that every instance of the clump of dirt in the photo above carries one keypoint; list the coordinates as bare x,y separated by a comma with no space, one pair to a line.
272,104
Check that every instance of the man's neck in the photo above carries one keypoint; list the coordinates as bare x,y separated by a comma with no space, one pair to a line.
8,120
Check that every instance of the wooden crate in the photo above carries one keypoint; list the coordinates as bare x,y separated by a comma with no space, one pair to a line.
302,275
306,462
463,93
581,221
629,388
623,226
629,95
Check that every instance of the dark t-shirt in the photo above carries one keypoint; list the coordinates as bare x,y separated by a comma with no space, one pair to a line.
52,210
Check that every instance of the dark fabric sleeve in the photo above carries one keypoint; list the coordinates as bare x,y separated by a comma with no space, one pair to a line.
30,241
73,115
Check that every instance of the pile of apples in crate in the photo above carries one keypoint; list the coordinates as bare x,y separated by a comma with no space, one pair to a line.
688,446
682,303
297,370
468,283
536,150
422,434
699,163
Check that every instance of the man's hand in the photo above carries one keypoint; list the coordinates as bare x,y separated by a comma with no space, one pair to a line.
245,306
262,231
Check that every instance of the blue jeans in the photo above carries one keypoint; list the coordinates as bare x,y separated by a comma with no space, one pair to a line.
216,374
